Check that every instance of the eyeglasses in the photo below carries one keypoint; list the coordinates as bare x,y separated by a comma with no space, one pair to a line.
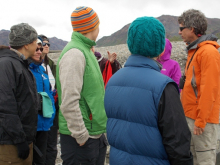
44,44
41,49
181,28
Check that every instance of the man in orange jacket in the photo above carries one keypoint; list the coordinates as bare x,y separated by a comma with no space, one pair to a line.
201,86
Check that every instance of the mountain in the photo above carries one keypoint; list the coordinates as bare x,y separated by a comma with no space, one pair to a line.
171,26
55,43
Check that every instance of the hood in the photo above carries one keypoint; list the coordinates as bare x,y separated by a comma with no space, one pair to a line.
167,52
196,43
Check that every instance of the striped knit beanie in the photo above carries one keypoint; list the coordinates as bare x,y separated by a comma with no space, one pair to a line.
146,37
84,19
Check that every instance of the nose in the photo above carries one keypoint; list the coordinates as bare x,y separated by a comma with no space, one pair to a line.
180,32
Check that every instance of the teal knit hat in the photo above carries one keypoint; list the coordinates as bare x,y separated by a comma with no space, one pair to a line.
146,37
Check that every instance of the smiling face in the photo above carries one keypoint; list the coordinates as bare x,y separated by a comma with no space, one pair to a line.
187,34
37,55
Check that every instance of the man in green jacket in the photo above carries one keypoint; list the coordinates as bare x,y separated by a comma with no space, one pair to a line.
82,117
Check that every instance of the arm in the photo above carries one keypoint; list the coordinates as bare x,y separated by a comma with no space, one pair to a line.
10,122
173,127
209,85
72,66
176,73
114,63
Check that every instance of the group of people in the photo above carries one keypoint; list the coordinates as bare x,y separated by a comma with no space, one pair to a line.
28,113
152,114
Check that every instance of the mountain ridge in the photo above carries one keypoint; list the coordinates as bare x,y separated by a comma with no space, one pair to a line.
171,26
55,43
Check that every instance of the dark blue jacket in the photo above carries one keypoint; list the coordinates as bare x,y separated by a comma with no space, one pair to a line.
43,85
131,102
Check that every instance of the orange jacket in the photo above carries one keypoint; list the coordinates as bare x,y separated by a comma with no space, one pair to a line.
202,102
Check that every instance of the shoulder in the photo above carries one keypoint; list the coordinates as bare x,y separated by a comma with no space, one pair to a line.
73,53
72,56
10,62
208,51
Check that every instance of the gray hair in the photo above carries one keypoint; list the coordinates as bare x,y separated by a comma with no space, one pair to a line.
194,18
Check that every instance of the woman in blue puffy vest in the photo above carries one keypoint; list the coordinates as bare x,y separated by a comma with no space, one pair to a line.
146,123
45,115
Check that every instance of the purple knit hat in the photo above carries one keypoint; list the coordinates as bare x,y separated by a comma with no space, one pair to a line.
98,55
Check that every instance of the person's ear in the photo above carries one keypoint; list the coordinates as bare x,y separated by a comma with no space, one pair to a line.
26,47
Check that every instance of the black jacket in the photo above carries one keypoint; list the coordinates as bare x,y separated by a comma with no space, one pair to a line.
174,128
18,100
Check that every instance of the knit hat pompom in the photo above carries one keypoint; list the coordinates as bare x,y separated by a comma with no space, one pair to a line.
146,37
84,19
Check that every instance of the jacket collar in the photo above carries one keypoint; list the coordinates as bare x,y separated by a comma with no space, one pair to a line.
195,44
76,36
18,53
13,54
142,61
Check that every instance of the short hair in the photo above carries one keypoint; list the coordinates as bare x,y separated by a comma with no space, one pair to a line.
194,18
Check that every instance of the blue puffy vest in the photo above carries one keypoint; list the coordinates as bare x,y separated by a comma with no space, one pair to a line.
131,103
43,85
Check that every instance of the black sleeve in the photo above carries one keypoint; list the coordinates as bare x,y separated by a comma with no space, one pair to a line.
173,127
10,123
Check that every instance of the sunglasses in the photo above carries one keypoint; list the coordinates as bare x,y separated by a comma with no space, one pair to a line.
44,44
41,49
181,28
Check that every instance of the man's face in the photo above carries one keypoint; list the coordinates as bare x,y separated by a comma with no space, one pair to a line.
38,53
32,48
46,47
187,34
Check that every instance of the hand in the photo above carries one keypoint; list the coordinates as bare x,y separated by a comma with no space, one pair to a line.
111,57
82,144
23,150
197,130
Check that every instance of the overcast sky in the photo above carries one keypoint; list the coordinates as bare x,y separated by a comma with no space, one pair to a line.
52,17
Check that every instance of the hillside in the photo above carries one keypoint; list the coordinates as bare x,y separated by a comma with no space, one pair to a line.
171,25
56,44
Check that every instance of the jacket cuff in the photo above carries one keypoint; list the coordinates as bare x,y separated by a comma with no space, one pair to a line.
83,138
200,123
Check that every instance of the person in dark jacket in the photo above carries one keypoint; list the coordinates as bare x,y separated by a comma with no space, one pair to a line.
51,153
44,121
18,97
108,66
146,123
112,58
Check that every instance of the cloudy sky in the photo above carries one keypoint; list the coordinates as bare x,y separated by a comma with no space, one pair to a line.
52,17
